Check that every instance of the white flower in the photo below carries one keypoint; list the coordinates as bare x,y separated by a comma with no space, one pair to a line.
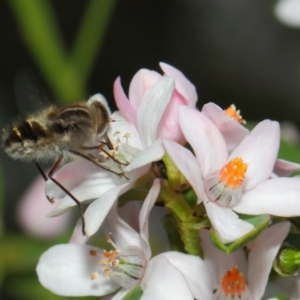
239,181
238,276
67,269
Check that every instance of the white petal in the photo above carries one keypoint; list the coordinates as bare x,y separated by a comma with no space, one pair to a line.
232,131
90,188
98,210
153,153
192,268
69,176
278,196
262,255
205,138
152,108
259,150
122,234
187,165
226,223
219,262
120,128
66,269
144,215
163,281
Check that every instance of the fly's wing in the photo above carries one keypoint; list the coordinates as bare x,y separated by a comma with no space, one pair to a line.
29,94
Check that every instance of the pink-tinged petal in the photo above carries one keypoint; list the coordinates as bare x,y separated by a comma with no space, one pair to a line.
144,216
232,131
262,255
259,150
278,196
152,108
169,125
122,234
201,289
32,210
160,280
182,84
285,168
187,165
123,103
205,138
153,153
226,223
98,210
219,262
142,81
66,269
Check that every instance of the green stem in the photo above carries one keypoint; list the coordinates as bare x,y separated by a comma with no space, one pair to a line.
182,212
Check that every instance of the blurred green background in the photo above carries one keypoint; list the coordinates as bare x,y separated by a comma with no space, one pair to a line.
233,51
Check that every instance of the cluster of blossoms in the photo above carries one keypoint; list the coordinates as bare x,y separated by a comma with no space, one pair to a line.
221,186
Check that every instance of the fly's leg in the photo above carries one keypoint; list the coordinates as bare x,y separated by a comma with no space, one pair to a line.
50,176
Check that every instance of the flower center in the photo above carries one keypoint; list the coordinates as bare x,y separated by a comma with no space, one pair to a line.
234,114
225,187
233,284
126,267
233,174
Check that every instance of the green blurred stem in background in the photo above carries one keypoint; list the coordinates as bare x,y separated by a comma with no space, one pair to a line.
65,73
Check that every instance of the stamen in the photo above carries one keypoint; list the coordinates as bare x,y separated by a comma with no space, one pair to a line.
94,275
225,187
233,283
126,266
93,252
234,114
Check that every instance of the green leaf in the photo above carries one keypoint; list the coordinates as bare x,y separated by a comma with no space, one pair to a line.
134,294
260,222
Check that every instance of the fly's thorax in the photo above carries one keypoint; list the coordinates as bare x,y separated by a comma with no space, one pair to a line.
72,126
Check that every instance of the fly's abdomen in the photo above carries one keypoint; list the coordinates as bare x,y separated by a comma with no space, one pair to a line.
28,140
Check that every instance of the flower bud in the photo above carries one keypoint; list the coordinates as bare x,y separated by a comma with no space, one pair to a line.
287,261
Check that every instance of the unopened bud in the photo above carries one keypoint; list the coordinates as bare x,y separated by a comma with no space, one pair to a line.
287,261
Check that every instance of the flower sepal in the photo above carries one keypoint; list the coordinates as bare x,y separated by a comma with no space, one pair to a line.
260,223
134,294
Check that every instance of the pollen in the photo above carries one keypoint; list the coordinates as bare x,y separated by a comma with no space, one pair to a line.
233,174
126,267
233,283
234,114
